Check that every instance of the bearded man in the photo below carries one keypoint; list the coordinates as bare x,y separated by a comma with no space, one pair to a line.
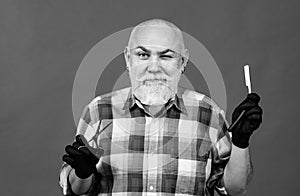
155,137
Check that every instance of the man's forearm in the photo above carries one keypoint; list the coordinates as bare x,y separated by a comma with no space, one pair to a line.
238,171
80,186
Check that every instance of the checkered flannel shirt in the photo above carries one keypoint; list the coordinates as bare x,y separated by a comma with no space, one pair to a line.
183,150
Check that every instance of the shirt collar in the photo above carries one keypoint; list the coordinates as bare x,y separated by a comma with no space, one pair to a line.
177,101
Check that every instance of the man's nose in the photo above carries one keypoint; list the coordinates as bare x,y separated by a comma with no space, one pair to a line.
154,64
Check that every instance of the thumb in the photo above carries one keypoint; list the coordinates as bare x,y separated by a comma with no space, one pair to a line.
98,152
253,97
81,140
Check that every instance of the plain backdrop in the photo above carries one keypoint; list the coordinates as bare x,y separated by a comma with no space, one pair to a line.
42,44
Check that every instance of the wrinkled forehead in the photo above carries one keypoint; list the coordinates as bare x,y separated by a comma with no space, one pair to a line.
158,37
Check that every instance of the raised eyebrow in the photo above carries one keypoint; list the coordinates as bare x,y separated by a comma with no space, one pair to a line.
149,51
143,48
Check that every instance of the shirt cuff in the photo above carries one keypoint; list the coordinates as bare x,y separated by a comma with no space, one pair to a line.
66,186
220,187
63,179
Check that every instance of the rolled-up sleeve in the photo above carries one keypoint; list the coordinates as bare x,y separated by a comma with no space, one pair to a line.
86,127
63,179
220,154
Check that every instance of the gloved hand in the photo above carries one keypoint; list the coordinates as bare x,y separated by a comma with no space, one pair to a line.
249,122
80,157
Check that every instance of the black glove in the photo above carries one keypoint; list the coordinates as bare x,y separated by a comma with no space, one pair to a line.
81,158
249,122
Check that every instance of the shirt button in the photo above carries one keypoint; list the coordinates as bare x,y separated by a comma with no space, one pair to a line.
151,188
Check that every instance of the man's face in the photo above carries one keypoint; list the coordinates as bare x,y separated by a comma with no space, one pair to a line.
155,63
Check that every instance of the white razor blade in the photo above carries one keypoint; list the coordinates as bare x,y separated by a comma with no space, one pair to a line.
247,78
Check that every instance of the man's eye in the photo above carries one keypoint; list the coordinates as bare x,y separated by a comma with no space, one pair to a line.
143,55
166,56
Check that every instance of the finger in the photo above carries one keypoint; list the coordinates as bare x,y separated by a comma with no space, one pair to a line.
97,152
254,110
72,151
253,97
255,124
78,139
254,117
84,150
76,144
244,106
68,160
81,139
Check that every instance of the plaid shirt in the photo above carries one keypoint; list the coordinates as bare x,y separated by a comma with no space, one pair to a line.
183,150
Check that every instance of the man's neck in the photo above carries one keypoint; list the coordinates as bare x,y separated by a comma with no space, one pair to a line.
154,109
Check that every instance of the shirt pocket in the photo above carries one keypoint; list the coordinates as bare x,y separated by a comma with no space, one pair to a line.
192,175
192,169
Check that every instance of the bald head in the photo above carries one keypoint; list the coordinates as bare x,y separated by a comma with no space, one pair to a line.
157,32
155,58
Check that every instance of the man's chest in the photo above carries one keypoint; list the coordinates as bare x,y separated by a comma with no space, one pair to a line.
162,144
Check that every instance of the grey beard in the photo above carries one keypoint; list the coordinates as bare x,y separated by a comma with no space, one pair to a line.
154,94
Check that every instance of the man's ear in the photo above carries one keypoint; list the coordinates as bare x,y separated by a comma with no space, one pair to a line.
127,56
184,59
